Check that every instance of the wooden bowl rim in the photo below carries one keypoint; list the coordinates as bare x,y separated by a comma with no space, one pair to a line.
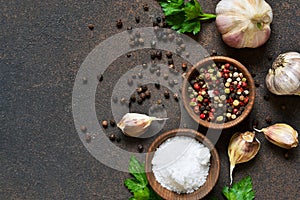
251,96
212,177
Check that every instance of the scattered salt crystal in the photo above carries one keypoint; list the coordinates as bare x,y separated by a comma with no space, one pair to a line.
181,164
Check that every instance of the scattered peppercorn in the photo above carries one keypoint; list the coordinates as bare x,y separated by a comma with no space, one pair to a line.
158,102
119,23
83,128
112,137
257,84
157,85
129,28
166,94
100,77
91,26
137,19
148,94
159,54
153,55
214,52
142,96
169,54
176,97
129,81
140,148
139,90
104,124
146,7
112,122
140,101
184,66
132,98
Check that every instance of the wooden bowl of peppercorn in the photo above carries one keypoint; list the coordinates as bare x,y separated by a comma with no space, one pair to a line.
218,92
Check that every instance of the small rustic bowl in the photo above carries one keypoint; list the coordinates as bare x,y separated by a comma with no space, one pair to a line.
213,171
194,71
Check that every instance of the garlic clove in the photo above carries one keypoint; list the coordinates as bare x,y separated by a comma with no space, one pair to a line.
284,76
242,148
282,135
244,23
135,124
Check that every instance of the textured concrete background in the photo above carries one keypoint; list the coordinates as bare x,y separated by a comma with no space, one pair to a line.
42,45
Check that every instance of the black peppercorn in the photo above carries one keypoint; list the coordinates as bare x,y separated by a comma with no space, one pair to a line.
91,26
169,54
112,122
137,19
159,54
132,98
157,85
146,7
83,128
176,97
148,94
112,137
153,55
119,23
166,94
100,77
158,19
170,61
140,147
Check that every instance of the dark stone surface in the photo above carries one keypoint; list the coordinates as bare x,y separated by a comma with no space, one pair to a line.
42,45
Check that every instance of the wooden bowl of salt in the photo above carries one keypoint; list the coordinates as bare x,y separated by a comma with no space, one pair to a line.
182,164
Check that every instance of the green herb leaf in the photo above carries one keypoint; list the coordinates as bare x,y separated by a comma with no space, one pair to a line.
138,184
184,17
133,185
241,190
138,171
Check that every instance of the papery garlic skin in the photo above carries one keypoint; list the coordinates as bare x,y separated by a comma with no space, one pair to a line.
242,148
284,76
282,135
135,124
244,23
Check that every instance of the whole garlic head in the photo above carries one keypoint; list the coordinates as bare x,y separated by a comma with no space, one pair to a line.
244,23
284,76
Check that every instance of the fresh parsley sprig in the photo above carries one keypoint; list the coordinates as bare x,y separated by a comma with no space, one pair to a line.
139,184
184,16
241,190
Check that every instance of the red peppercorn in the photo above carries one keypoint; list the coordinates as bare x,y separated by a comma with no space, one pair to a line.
196,109
227,65
216,92
213,110
196,86
235,110
193,100
202,116
244,84
205,100
226,70
246,100
225,75
242,103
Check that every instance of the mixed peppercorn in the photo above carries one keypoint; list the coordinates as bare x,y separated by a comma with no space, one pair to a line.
219,93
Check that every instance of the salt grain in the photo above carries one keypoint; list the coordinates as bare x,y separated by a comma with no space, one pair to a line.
181,164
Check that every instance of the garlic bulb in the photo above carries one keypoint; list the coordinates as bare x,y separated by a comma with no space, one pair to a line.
282,135
135,124
284,76
242,148
244,23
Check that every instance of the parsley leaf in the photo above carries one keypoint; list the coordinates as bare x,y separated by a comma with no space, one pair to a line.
139,184
184,16
241,190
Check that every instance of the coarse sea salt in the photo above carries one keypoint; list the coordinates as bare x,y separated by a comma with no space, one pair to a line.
181,164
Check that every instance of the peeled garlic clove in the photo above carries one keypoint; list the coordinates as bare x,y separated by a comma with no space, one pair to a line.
244,23
242,148
135,124
284,76
282,135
